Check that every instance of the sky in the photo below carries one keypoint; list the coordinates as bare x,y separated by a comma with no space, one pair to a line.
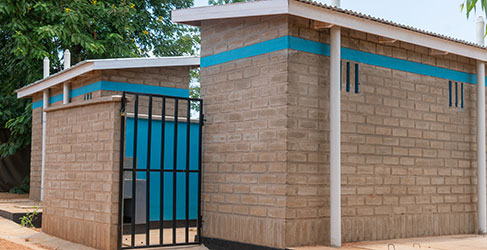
439,16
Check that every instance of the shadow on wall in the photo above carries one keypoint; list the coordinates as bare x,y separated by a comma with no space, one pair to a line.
13,168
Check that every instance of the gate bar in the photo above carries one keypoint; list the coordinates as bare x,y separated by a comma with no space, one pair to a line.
121,177
163,143
188,123
201,123
147,184
134,166
175,161
165,170
171,97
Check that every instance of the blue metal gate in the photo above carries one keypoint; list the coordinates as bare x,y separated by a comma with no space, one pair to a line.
160,179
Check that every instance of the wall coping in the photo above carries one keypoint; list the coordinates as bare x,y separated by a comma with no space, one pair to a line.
106,99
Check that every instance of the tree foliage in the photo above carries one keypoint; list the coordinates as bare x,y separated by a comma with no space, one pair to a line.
219,2
32,30
471,5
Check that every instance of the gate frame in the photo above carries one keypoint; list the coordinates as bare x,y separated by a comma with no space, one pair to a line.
123,117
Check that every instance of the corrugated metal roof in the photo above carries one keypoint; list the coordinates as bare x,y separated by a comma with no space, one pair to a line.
388,22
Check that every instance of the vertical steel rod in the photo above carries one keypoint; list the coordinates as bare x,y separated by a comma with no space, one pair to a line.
461,95
456,94
174,169
449,94
188,123
134,167
201,122
357,83
163,133
348,77
147,183
120,185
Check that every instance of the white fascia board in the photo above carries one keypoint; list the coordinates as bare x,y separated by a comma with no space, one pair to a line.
193,16
55,79
125,63
385,30
103,64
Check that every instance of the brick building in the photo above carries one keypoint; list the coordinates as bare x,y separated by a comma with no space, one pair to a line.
403,107
81,106
322,126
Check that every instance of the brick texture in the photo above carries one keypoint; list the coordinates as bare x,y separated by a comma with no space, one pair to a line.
82,171
174,77
36,152
408,159
244,142
82,156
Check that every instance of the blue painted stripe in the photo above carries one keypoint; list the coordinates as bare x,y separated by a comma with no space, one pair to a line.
117,86
37,104
245,52
300,44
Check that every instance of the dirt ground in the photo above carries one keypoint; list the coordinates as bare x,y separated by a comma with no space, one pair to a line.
7,245
9,196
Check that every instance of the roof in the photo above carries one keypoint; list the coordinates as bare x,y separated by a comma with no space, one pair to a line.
103,64
388,22
336,16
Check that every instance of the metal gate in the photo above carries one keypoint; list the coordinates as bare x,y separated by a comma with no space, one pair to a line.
160,163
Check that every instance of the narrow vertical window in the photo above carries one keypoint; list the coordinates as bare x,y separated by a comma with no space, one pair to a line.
449,93
456,94
348,77
461,95
356,78
341,77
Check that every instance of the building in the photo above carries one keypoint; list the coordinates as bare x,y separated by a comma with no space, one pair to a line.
388,150
322,126
76,115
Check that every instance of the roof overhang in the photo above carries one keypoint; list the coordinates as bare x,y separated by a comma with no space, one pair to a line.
332,16
104,64
194,16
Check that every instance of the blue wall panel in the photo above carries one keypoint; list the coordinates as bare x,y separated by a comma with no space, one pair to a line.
155,163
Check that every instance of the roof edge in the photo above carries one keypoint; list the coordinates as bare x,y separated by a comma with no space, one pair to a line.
194,16
104,64
335,16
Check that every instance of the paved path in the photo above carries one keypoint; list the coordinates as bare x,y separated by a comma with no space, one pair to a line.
13,232
454,242
35,240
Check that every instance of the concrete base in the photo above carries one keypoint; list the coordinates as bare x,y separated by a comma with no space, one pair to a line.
15,209
457,242
219,244
35,240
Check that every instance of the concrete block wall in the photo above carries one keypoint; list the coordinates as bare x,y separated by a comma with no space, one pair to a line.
36,151
307,209
408,159
174,77
82,174
244,140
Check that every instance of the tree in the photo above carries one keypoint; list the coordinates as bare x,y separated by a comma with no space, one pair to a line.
32,30
470,5
219,2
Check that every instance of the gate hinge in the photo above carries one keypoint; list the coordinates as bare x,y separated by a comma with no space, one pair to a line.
203,120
